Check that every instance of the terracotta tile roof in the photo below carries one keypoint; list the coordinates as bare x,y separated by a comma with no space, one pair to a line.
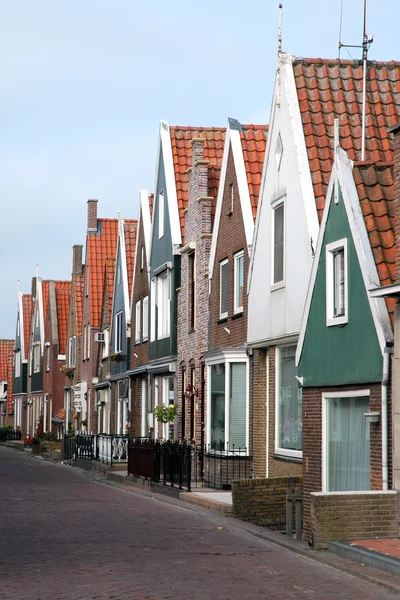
6,368
182,157
130,230
254,142
45,297
375,189
329,89
100,245
78,282
63,297
27,308
109,270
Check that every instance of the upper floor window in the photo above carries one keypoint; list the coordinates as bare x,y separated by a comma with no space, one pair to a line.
142,258
161,214
231,199
37,316
239,281
84,343
288,438
336,283
137,322
145,328
36,357
87,281
192,291
88,330
118,332
153,310
163,305
119,275
105,344
17,363
48,357
72,351
18,328
223,289
278,244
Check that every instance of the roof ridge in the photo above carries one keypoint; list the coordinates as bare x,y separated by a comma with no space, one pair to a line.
199,128
343,61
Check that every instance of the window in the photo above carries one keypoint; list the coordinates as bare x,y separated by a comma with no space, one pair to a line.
336,283
18,363
47,357
239,282
36,358
37,315
145,326
88,340
231,198
223,289
84,343
119,275
18,330
278,250
346,441
163,305
118,332
72,351
192,291
228,406
30,361
278,151
160,215
106,344
87,281
137,322
153,310
289,405
142,258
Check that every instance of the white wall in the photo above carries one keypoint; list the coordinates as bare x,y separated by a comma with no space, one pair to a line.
277,313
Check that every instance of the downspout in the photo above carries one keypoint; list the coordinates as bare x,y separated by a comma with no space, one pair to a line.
384,393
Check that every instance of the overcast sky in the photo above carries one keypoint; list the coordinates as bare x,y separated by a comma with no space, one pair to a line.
84,84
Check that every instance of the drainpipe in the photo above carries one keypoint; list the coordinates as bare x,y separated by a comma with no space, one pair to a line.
384,393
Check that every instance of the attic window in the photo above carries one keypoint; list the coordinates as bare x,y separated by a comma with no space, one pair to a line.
278,151
161,215
231,198
336,283
142,258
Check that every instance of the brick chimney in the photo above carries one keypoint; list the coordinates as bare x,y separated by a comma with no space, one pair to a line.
92,215
77,267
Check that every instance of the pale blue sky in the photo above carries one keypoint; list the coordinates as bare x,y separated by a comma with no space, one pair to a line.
84,84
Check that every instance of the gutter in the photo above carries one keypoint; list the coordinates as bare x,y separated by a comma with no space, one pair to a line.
384,394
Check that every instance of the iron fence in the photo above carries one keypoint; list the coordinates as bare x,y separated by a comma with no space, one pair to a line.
69,449
224,463
86,446
112,448
10,435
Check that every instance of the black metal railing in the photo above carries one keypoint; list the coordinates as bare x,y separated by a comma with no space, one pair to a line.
69,449
86,446
141,457
224,463
10,435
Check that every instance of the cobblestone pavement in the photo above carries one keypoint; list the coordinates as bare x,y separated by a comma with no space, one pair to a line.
63,536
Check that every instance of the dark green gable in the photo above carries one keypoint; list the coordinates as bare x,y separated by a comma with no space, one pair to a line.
340,355
162,253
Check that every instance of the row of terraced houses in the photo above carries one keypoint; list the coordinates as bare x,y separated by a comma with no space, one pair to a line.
256,291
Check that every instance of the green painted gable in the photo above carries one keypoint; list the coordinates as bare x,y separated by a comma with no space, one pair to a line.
341,354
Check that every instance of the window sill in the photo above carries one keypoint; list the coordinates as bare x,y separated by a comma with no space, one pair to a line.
294,459
237,315
222,320
337,321
277,286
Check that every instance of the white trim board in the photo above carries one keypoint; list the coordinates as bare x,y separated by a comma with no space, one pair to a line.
342,173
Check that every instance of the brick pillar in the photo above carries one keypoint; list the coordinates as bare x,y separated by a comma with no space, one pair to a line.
92,215
77,266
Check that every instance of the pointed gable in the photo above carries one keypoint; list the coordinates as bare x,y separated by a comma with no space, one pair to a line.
329,89
63,296
27,309
6,369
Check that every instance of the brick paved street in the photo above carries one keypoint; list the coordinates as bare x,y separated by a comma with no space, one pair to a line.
64,536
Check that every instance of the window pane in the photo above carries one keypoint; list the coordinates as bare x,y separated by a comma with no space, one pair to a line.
278,243
338,258
239,280
290,402
224,288
347,445
145,317
237,406
218,406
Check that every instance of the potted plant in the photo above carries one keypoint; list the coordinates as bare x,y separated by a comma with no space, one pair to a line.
115,356
165,414
68,371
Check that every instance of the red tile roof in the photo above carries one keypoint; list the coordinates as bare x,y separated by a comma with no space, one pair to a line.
109,286
27,308
63,297
254,142
78,283
130,230
45,297
375,189
182,158
329,89
6,368
100,245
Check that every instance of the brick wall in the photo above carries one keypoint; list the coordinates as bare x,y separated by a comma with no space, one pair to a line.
231,239
193,342
312,443
263,501
348,516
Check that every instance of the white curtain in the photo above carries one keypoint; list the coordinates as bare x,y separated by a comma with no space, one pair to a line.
348,446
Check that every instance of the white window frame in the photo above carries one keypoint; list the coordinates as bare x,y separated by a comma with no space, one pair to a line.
84,342
105,344
325,399
72,351
88,340
17,363
163,312
278,450
142,258
278,284
137,321
236,357
236,307
145,326
118,333
223,315
153,299
36,357
330,250
161,214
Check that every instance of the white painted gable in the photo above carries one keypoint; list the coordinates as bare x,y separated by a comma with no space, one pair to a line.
274,314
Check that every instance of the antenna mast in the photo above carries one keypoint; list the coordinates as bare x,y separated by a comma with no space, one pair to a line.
278,70
367,41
